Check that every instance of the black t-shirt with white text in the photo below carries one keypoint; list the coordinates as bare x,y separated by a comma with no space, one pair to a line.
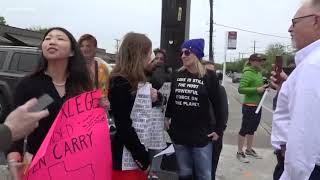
188,107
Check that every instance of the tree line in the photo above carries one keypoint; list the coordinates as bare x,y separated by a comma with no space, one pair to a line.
273,50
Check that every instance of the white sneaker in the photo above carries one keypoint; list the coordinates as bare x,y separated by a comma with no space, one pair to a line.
242,158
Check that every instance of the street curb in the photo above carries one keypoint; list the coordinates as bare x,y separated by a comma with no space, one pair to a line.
264,126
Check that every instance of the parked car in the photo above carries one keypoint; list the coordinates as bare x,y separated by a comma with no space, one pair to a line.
236,77
15,63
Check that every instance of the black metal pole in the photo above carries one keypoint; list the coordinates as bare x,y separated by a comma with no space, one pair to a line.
211,58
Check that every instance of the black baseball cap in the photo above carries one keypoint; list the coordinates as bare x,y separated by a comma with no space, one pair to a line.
257,57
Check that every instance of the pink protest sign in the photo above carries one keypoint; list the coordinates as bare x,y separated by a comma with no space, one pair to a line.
77,146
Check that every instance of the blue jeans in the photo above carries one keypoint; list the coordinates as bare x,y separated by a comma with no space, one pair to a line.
152,153
194,159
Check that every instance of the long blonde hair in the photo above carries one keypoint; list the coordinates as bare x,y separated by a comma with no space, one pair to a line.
201,70
131,58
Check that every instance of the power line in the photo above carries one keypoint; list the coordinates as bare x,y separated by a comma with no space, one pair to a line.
264,34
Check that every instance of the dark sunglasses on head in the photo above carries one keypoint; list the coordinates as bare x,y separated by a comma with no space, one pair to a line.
186,52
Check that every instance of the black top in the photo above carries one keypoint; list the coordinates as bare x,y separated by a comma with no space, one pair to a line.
188,108
160,75
35,86
121,99
5,137
223,106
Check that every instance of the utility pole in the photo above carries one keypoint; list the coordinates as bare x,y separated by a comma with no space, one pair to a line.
117,44
254,46
211,57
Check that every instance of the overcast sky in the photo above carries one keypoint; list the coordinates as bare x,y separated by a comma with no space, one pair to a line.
111,19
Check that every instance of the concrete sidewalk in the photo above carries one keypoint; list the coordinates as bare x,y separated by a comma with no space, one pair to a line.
229,167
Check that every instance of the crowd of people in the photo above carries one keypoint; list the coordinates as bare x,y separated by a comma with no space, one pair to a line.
69,68
194,113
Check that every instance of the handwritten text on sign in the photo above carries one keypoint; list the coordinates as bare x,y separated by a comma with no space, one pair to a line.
77,145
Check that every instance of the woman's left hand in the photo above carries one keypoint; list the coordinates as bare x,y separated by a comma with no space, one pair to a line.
214,136
104,103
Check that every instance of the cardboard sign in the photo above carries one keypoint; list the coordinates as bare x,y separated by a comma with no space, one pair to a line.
77,145
157,132
147,121
140,115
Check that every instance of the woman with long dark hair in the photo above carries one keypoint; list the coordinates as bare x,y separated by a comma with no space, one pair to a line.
62,74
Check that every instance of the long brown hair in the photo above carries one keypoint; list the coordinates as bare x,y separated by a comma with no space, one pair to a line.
79,78
131,58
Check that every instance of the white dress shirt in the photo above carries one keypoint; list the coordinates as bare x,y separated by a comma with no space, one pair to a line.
297,118
281,119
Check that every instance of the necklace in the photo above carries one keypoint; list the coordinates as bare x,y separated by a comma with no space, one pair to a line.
55,83
59,84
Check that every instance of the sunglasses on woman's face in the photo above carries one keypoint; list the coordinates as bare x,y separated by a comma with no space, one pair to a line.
185,52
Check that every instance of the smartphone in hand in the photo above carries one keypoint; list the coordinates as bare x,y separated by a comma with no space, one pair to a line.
43,102
288,70
278,69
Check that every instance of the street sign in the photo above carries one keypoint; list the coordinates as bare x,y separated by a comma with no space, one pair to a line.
232,40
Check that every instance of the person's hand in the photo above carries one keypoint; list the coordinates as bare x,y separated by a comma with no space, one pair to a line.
104,103
273,79
154,95
17,170
262,88
214,136
283,150
21,122
15,165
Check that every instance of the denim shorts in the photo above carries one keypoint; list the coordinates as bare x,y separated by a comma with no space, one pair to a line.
250,120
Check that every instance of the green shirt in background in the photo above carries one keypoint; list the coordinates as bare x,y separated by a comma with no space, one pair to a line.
251,79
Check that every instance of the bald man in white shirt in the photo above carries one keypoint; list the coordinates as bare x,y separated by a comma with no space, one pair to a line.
296,121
